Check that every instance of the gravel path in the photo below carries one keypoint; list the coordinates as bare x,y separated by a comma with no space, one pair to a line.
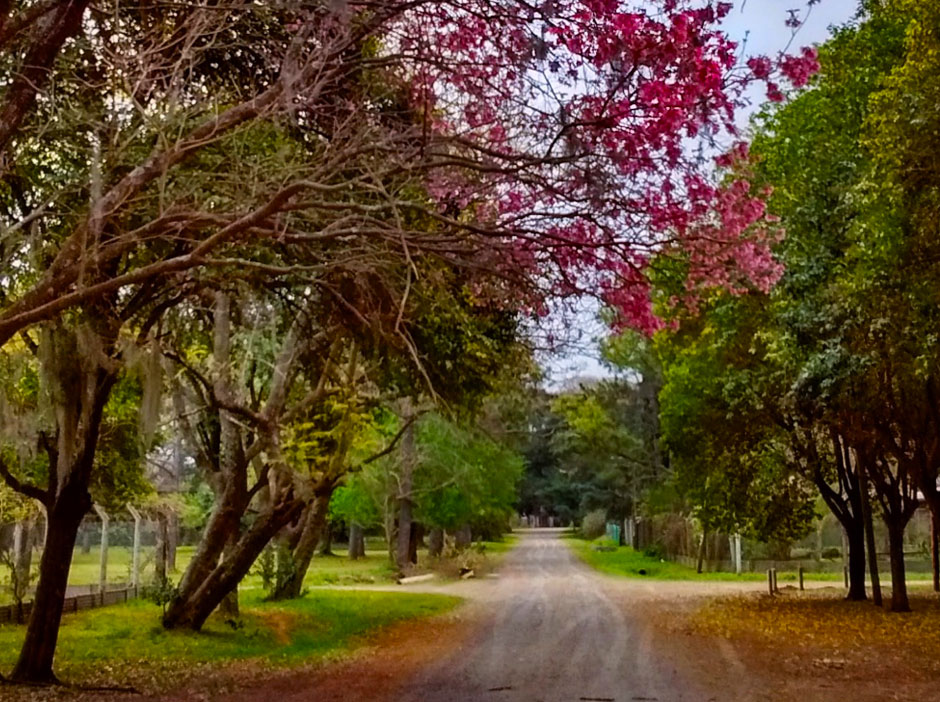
551,630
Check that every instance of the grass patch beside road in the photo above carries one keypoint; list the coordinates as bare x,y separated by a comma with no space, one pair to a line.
623,560
126,645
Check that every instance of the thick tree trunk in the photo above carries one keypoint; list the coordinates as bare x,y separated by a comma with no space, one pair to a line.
357,545
193,610
313,524
229,605
417,536
856,540
899,601
325,547
436,542
38,652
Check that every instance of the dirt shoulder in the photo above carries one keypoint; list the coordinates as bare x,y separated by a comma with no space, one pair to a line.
812,646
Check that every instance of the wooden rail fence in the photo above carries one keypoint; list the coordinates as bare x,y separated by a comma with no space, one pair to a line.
14,613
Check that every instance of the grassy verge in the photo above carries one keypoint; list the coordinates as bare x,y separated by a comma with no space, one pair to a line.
126,645
623,560
627,562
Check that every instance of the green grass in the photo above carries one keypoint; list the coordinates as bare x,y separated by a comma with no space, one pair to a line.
625,561
126,643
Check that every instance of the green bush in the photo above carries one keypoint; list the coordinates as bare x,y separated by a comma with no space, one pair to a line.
594,524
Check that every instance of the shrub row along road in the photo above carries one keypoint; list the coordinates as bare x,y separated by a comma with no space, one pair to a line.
552,632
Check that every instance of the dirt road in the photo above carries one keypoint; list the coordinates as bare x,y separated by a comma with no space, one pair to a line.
551,630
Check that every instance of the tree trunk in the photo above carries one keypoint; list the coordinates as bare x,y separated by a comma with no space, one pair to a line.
86,541
934,555
38,652
357,546
463,537
172,539
436,542
856,540
192,610
313,524
700,561
899,601
869,537
417,536
160,550
22,559
325,547
229,605
405,505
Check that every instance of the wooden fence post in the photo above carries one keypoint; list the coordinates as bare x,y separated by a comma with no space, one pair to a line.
845,576
801,577
770,581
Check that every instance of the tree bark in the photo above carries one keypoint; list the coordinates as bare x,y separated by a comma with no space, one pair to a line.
934,555
192,610
856,539
172,539
357,547
325,547
436,542
160,550
406,484
42,633
417,536
869,535
899,601
22,558
700,561
463,537
313,526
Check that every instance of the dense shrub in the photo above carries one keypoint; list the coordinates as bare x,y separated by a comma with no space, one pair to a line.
594,524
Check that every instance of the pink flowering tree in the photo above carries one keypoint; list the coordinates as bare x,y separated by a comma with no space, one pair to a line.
550,144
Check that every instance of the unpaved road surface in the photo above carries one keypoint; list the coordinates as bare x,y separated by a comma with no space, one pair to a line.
551,630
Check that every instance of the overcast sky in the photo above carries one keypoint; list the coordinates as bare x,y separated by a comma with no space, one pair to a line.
762,23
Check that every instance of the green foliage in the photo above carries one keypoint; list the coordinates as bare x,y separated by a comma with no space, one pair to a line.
594,524
464,477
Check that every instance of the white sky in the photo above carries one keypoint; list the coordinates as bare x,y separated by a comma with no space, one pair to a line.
762,24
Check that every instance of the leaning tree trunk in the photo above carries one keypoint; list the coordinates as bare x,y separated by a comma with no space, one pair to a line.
229,605
66,502
899,601
314,522
38,652
193,611
357,545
